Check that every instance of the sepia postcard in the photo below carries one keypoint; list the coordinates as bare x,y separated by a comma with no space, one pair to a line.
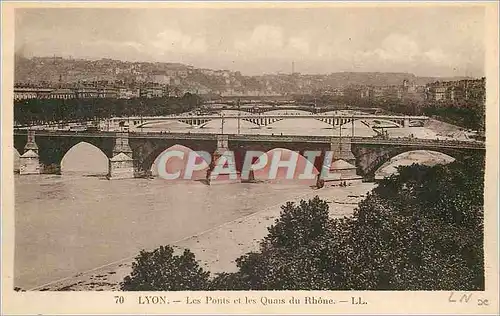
249,158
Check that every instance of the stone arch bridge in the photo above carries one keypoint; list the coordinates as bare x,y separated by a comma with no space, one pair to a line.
368,154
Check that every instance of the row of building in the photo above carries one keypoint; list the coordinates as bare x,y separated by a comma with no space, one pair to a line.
27,93
378,92
441,91
457,90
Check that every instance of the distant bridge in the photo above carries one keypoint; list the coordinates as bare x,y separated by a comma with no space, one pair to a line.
264,119
262,107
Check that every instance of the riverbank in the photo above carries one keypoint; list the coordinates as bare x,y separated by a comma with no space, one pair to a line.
217,248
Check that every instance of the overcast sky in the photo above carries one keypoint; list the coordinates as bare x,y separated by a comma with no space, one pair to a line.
445,41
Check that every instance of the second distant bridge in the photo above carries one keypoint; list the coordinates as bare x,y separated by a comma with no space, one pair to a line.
266,119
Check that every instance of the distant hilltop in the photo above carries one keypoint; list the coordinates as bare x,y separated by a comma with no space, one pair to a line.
340,79
57,70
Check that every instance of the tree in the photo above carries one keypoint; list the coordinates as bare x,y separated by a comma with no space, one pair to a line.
161,270
295,255
46,110
420,229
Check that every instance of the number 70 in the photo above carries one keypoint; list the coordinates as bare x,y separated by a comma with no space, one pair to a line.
119,299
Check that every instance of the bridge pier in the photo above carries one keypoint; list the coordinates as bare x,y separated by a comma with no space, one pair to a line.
121,165
341,148
29,161
230,173
341,166
406,122
122,145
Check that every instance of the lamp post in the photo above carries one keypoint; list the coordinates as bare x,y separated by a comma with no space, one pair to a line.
340,128
340,137
222,124
239,114
141,105
352,132
333,123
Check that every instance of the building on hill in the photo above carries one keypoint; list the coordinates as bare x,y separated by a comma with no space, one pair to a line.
160,79
470,90
207,72
87,93
107,92
437,93
462,91
128,93
151,92
63,94
27,93
337,92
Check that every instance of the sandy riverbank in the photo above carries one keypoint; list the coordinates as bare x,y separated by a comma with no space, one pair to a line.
217,248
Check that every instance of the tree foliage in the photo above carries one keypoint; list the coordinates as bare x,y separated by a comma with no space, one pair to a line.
53,110
295,253
468,116
161,270
421,229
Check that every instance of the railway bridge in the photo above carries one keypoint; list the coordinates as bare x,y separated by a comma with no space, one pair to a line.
264,119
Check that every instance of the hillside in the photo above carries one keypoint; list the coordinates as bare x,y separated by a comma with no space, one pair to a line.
55,70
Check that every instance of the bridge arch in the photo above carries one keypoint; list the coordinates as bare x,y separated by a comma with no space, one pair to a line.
423,157
282,174
168,124
84,158
382,123
176,164
230,125
298,126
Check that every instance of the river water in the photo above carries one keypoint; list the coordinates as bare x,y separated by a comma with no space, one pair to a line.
69,224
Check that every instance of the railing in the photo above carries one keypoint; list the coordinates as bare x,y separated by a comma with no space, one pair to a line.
419,141
280,137
264,115
270,138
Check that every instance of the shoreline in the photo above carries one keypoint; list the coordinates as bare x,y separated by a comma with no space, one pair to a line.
216,248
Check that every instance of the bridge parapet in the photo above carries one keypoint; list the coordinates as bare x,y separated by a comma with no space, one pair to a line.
420,141
472,144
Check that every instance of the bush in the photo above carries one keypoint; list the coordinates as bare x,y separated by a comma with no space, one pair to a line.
50,110
421,229
161,270
295,255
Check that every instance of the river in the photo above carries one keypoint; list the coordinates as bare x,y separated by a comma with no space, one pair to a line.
71,223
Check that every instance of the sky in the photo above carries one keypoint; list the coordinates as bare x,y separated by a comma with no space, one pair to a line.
430,41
